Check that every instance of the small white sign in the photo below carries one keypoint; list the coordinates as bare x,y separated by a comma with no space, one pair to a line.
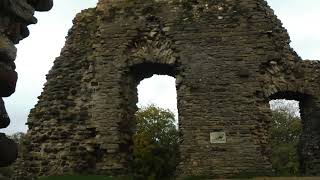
218,138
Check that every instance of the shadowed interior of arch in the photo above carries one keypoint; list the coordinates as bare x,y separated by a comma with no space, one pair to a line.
146,70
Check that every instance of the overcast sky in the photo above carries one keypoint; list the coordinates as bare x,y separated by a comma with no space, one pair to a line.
37,53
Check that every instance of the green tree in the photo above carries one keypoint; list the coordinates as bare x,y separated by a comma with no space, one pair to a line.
155,149
284,136
7,172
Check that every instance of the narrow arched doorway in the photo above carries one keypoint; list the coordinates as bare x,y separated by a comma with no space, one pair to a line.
305,136
137,76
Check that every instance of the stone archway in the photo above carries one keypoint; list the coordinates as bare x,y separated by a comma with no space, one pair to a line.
310,128
133,77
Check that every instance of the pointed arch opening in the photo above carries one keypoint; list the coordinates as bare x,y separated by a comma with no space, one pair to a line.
152,109
291,139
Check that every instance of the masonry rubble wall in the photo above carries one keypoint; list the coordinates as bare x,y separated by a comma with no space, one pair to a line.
229,58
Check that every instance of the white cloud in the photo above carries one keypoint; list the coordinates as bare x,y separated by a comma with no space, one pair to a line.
36,55
159,90
300,19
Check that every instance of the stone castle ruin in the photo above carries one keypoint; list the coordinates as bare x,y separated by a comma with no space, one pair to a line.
229,58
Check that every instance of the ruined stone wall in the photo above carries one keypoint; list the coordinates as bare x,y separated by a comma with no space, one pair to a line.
229,59
15,16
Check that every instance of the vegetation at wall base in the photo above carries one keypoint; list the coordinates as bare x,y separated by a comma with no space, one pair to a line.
195,178
156,141
284,139
155,144
88,177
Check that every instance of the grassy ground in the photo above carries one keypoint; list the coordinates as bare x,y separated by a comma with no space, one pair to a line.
190,178
80,178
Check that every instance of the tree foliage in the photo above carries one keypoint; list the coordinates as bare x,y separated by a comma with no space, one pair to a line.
155,149
284,136
156,141
19,138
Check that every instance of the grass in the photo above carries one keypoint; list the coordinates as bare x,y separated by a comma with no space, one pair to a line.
90,177
80,178
188,178
98,178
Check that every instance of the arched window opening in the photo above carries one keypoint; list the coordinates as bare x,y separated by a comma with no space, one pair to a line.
284,132
156,137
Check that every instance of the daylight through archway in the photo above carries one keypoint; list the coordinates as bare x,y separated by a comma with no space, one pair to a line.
156,138
159,90
285,131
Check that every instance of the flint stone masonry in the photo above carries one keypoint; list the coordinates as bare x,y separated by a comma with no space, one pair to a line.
229,58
